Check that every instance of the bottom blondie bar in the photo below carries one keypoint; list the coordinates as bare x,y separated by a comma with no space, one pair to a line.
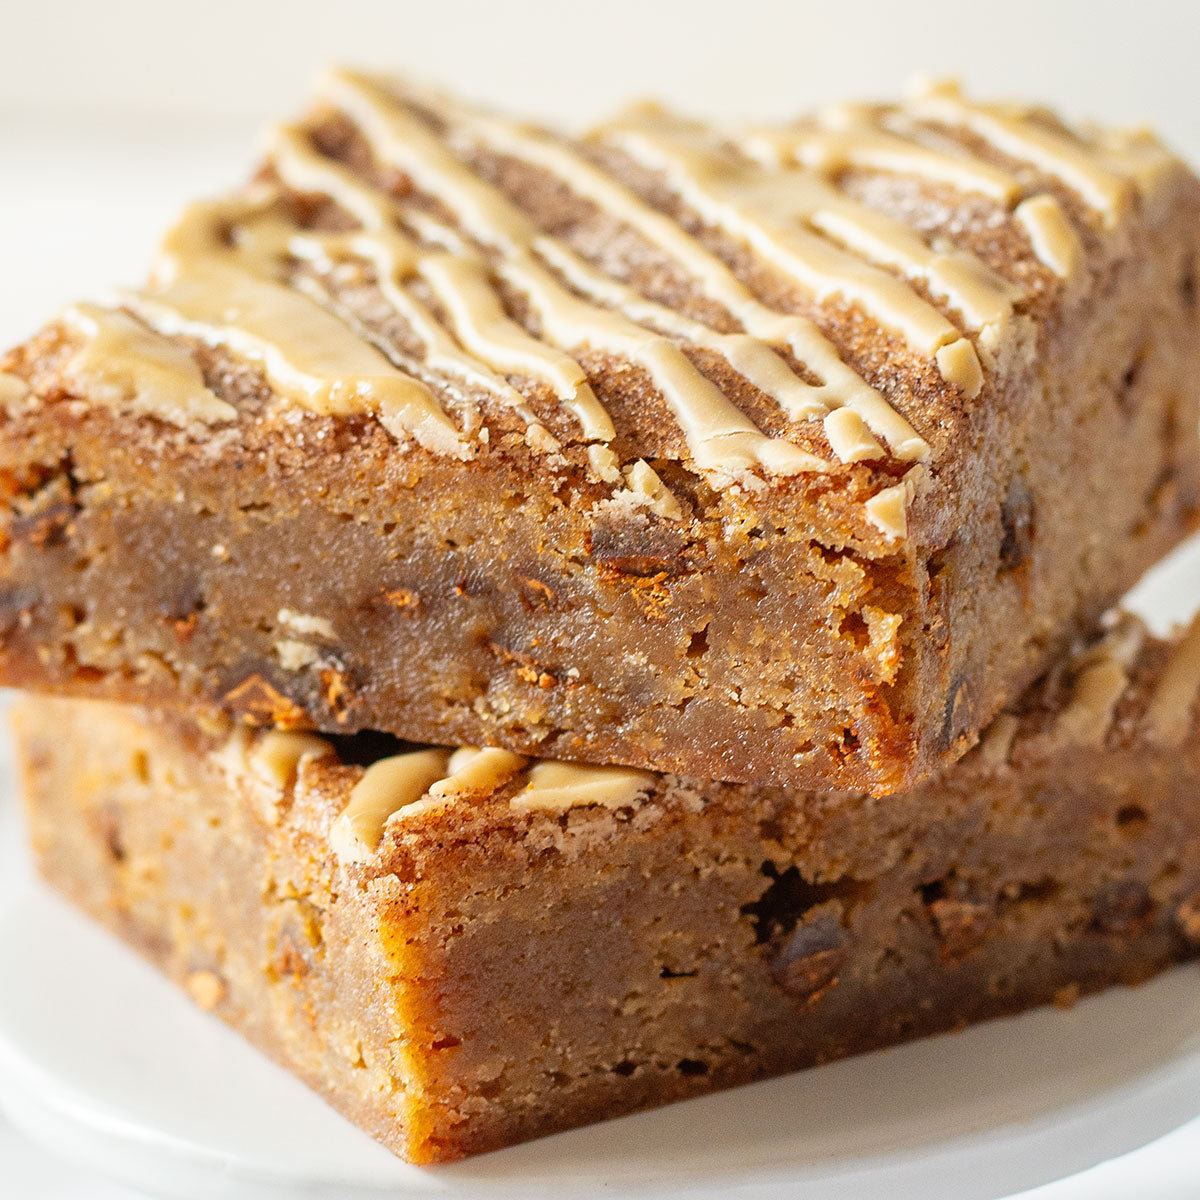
461,951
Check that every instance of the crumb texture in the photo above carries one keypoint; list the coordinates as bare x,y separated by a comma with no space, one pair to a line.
491,972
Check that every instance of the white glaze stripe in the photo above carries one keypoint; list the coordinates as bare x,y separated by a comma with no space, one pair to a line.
855,136
459,280
778,214
210,286
799,400
124,364
721,438
1017,133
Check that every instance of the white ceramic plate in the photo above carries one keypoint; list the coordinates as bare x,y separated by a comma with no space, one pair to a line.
101,1060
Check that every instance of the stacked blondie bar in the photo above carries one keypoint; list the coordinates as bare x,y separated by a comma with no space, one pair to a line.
531,628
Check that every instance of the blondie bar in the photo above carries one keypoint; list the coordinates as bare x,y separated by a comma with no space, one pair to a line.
462,950
778,455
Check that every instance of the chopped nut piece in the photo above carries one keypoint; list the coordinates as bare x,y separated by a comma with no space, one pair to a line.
961,925
255,699
206,988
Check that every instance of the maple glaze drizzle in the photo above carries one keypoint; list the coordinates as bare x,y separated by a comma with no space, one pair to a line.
1169,713
122,363
720,437
878,138
1018,132
246,274
409,786
842,387
819,239
220,277
1103,675
873,138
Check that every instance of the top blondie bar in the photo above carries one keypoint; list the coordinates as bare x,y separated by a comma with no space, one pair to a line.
779,454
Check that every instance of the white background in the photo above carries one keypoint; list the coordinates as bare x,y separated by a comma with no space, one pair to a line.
234,59
162,99
114,111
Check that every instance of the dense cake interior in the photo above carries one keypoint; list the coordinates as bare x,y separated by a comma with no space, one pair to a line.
461,950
